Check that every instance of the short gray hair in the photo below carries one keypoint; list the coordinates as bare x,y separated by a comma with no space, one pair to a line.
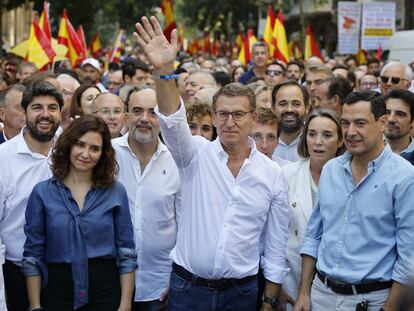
408,73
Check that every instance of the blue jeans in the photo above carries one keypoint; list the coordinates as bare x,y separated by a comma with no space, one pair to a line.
185,296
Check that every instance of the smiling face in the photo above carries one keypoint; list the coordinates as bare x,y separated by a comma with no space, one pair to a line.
202,126
43,118
233,133
399,118
322,139
86,152
362,133
290,108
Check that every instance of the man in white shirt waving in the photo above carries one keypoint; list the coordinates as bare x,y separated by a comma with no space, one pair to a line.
230,194
151,179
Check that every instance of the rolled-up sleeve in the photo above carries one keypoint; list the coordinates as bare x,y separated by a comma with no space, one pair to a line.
126,256
34,253
313,233
276,232
404,220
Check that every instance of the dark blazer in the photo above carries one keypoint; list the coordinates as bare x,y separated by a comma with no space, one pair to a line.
2,140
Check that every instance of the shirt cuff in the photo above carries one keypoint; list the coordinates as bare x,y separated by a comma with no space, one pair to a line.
32,266
401,275
175,118
310,247
272,272
126,260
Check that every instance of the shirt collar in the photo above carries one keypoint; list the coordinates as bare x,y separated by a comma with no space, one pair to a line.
123,142
374,164
222,154
294,142
23,148
410,147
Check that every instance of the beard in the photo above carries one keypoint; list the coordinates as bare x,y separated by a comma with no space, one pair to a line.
291,127
394,135
144,138
39,135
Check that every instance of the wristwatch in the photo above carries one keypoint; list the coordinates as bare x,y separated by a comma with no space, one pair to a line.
271,301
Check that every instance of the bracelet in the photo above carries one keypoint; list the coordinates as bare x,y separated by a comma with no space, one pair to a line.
166,77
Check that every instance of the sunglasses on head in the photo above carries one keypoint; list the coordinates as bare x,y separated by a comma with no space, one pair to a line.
394,80
273,72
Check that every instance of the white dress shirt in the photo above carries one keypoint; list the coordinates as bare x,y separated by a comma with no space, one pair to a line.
154,199
20,170
222,217
287,152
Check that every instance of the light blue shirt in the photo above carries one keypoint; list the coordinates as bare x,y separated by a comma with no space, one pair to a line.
287,152
364,233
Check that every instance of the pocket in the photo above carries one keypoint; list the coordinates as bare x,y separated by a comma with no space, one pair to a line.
178,283
247,289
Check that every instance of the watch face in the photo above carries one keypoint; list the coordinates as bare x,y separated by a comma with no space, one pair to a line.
271,301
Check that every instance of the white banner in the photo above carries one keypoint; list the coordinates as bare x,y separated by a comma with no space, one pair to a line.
378,24
349,19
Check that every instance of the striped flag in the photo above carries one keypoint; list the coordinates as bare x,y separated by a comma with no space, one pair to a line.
68,37
82,40
245,52
44,21
311,47
95,48
168,11
116,51
268,32
40,51
279,39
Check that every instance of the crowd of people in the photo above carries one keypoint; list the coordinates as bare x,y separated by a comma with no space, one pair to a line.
190,182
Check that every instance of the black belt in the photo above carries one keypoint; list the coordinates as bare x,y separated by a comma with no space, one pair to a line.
352,289
219,284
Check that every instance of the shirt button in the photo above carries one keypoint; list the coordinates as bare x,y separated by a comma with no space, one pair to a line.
221,247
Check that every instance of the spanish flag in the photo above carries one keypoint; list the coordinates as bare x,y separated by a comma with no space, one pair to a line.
168,11
81,36
68,37
362,57
40,51
245,52
268,31
44,21
95,48
279,39
311,47
294,50
238,43
116,51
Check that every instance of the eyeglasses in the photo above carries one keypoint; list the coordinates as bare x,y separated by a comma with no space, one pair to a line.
107,111
239,115
394,80
369,84
270,72
259,137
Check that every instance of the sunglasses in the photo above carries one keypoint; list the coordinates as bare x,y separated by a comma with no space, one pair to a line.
273,72
394,80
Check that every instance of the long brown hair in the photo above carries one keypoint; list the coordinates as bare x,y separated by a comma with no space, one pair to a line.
104,172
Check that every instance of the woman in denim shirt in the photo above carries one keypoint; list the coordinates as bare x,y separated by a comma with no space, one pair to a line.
79,252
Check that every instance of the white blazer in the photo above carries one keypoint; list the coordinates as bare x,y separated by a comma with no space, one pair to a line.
298,178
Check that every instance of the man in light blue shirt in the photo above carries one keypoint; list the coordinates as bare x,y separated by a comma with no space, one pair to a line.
359,240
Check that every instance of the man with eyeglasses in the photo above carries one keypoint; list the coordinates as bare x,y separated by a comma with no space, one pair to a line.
395,75
315,75
151,180
110,108
368,82
260,56
274,74
231,193
11,112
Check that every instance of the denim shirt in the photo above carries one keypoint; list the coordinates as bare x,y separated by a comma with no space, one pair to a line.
58,231
364,233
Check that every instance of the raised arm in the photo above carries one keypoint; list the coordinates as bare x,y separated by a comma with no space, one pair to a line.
161,54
